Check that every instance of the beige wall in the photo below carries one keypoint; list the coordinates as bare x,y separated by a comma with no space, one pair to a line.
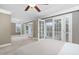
75,27
22,28
5,29
13,28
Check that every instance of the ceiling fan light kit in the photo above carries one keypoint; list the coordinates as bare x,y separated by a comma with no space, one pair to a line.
32,6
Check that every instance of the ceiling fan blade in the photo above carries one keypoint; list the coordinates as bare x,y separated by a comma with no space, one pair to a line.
37,8
27,8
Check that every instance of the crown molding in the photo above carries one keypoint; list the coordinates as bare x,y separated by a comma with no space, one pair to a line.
5,11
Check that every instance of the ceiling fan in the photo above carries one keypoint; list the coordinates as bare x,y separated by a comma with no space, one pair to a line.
33,6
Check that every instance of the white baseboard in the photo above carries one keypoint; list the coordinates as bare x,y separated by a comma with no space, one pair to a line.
4,45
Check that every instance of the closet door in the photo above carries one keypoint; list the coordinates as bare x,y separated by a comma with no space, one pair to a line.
41,29
57,29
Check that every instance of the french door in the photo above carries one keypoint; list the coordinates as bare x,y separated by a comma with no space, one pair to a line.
57,28
48,28
45,29
28,29
41,29
63,28
67,30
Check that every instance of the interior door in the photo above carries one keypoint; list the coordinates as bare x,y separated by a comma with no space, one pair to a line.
48,28
41,29
57,28
30,29
68,27
27,29
63,27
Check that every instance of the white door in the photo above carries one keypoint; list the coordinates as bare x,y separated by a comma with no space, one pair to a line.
48,28
57,28
41,34
26,29
67,30
30,29
62,29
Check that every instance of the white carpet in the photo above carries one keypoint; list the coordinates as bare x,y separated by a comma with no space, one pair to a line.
26,46
17,42
44,47
48,47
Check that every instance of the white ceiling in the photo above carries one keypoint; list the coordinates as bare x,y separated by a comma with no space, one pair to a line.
19,13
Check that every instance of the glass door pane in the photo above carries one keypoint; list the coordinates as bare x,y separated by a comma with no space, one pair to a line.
48,28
